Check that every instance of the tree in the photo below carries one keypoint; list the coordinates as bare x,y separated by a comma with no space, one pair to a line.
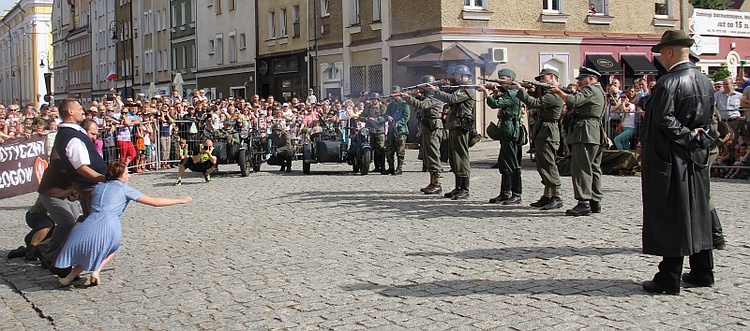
721,73
712,4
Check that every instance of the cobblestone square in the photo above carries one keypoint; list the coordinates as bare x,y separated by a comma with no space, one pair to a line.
335,250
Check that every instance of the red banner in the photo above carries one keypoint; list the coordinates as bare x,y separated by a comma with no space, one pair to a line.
22,163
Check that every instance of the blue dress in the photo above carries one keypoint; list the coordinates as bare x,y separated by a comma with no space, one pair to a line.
99,235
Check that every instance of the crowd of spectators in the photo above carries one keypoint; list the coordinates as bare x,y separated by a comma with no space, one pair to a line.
148,134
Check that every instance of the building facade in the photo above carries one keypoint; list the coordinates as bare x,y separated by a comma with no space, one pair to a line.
284,39
152,42
225,39
183,53
25,52
79,54
103,47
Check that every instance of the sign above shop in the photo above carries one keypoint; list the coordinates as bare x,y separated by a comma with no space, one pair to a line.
705,45
723,23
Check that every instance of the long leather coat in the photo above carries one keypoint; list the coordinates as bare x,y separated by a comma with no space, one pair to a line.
675,179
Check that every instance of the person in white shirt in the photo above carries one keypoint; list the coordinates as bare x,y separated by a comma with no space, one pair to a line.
728,101
622,141
311,98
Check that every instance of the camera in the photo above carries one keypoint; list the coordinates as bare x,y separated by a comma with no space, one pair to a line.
206,147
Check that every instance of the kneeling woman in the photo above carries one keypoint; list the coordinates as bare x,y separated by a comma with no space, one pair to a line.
93,243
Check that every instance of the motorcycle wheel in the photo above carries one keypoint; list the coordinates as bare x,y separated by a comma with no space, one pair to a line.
243,161
366,158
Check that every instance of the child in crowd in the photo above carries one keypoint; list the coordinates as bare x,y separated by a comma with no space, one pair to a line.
743,160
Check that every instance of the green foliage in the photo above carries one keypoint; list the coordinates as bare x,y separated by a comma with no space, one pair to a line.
712,4
721,73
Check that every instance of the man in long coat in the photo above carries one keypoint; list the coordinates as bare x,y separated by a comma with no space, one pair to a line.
675,179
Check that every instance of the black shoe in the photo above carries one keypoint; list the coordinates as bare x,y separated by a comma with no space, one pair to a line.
397,172
691,281
514,200
18,252
30,253
461,195
581,209
435,189
451,193
596,207
377,169
720,247
543,201
282,168
651,287
495,166
554,203
60,272
387,172
500,198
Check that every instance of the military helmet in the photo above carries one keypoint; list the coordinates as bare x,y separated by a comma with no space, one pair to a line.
506,73
278,126
462,70
374,95
428,79
396,89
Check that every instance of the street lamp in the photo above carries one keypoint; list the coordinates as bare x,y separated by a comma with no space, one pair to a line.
44,55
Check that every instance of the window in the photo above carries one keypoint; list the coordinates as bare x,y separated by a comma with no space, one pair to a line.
217,7
354,12
194,53
551,6
210,2
219,49
473,4
183,13
232,4
375,10
232,48
211,46
324,8
174,16
192,11
663,9
295,20
282,22
184,58
174,58
271,25
601,7
243,41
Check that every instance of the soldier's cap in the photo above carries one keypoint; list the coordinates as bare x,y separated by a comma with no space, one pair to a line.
229,121
673,38
546,71
694,57
506,73
396,88
587,72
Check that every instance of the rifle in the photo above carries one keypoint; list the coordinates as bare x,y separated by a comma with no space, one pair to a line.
543,86
472,86
423,85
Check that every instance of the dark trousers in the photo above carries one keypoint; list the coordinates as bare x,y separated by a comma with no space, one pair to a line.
670,269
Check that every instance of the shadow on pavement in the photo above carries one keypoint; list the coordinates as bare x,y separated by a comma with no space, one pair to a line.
455,288
419,205
523,253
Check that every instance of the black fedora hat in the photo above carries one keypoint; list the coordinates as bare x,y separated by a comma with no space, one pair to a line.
673,38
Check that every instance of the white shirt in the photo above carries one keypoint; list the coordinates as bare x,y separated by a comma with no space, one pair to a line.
728,104
76,150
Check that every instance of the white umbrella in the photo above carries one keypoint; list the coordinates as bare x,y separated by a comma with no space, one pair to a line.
178,82
151,90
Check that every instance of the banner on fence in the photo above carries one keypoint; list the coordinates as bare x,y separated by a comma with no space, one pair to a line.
22,163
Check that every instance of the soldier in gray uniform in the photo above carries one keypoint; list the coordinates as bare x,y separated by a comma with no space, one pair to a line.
546,137
459,123
431,127
586,136
373,115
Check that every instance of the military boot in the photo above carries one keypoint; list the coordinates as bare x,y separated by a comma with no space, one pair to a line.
515,199
543,201
553,203
581,209
504,190
500,198
463,192
399,167
434,187
455,189
390,169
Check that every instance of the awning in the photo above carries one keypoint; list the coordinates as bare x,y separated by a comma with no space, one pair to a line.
638,65
430,55
659,65
604,64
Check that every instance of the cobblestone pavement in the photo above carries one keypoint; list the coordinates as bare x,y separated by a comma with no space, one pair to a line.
334,250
